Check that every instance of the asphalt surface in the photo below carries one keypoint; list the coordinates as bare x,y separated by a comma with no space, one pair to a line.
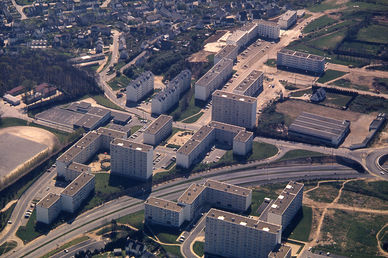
89,244
127,205
185,247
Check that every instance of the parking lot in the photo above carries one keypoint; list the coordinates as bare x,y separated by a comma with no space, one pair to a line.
213,155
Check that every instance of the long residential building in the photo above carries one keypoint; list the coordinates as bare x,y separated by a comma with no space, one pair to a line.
213,79
131,159
287,19
229,52
140,87
77,191
319,129
238,38
168,97
251,29
191,202
251,85
196,147
301,61
48,208
231,235
287,205
158,130
234,109
268,29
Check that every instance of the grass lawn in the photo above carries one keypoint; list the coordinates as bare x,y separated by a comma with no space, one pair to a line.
65,246
271,62
134,219
376,33
351,234
7,246
199,248
302,230
103,101
347,84
164,234
329,41
326,192
301,93
184,111
193,119
338,100
368,104
135,128
325,5
4,216
330,75
318,24
119,82
29,232
173,250
296,154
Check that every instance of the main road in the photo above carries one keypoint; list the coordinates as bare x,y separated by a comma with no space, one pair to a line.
127,205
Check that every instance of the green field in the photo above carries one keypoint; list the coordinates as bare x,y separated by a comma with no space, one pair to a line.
4,216
103,101
318,24
345,83
368,104
325,5
296,154
135,128
302,230
29,232
135,219
198,248
375,33
330,41
326,192
120,82
186,107
164,234
271,62
193,119
300,93
338,100
330,75
351,234
173,250
7,246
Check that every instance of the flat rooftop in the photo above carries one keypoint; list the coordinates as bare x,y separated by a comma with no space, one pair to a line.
226,127
191,194
301,54
226,51
158,124
214,72
120,128
319,126
88,121
101,112
248,81
165,204
77,184
202,133
78,147
111,132
121,117
234,96
243,221
78,167
227,188
248,26
280,251
287,15
131,145
48,200
188,147
243,136
284,200
267,23
237,35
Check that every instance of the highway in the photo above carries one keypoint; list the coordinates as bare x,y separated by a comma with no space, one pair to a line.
126,205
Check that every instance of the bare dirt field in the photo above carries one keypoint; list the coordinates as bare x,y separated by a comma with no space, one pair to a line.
95,165
180,138
20,144
359,123
200,57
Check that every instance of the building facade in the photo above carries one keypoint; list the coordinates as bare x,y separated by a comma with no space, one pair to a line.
140,87
158,130
229,52
251,85
268,29
48,208
163,212
287,19
300,61
234,109
77,191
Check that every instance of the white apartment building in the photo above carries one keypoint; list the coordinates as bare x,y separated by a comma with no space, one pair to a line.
48,208
251,29
131,159
251,85
287,205
169,96
231,235
213,79
163,212
238,38
268,29
140,87
234,109
192,200
287,19
229,52
158,130
230,135
302,61
77,191
228,196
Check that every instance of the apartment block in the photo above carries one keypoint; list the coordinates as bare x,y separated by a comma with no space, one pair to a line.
213,79
192,200
238,38
215,132
131,159
268,29
168,97
231,235
48,208
251,29
158,130
77,191
287,19
227,196
234,109
229,52
163,212
287,205
251,85
300,61
140,87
